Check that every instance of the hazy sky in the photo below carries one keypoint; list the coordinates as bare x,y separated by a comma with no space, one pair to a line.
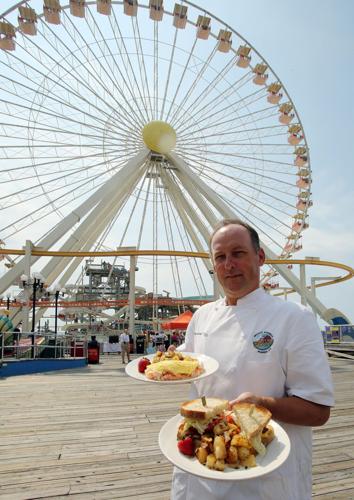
309,44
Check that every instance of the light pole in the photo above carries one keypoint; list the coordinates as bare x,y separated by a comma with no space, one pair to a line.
56,290
36,282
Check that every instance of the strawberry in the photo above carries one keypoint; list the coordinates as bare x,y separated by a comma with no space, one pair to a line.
143,363
186,446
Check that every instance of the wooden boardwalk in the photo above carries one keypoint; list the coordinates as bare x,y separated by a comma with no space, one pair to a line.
91,433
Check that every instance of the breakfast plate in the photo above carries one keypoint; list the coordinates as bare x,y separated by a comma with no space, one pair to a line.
210,366
277,452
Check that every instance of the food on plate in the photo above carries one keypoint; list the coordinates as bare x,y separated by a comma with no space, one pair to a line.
252,419
221,438
143,364
173,366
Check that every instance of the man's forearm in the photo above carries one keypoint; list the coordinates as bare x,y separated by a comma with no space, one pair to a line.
294,410
291,410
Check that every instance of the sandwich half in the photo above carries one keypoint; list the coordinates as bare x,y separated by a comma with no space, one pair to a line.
252,419
198,416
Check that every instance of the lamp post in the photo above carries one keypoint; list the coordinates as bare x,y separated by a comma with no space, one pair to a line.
36,282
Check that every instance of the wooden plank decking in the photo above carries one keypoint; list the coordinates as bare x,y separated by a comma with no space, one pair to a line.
92,434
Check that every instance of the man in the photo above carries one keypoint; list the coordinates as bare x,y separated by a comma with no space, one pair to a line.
270,353
124,345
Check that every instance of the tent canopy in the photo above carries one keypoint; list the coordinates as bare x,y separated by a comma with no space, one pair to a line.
179,323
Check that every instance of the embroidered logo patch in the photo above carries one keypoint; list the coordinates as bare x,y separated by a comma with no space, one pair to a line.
263,341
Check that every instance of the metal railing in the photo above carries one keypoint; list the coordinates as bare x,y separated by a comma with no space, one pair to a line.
41,346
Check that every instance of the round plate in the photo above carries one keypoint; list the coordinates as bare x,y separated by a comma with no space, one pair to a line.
210,366
277,452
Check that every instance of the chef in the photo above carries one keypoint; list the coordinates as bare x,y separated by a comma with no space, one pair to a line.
271,353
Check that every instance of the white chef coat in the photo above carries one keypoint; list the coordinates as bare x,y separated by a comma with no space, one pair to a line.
270,347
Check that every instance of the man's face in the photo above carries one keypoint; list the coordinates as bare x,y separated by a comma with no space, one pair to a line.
236,262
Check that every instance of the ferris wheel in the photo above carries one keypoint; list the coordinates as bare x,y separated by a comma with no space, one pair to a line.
126,125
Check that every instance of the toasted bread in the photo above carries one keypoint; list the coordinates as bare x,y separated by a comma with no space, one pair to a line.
252,419
194,409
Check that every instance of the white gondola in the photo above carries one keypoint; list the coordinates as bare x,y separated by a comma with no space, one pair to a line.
298,226
104,7
243,60
77,8
180,16
27,21
295,134
274,94
303,205
7,35
131,7
286,118
261,75
225,42
302,183
51,11
156,10
203,27
301,157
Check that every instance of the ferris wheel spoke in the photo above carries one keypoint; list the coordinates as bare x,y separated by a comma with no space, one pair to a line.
179,85
146,98
179,111
169,74
212,111
51,181
253,117
210,87
139,118
127,81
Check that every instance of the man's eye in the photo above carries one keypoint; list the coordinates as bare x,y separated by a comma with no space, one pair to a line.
219,258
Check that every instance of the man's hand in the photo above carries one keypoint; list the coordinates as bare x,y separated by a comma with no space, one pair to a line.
246,397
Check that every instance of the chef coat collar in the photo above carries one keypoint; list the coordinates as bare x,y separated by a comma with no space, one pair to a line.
252,299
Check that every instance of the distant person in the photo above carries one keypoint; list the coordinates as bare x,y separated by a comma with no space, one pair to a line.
124,345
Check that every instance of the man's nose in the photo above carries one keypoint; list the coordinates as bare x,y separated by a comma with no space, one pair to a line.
229,262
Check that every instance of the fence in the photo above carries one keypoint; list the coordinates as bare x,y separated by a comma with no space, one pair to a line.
40,346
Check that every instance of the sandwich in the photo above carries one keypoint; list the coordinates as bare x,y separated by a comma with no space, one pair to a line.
219,438
199,417
253,421
174,369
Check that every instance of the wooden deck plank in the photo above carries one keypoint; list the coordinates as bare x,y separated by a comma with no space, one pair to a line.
91,433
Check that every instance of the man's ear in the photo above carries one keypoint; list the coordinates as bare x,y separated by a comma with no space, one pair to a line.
261,256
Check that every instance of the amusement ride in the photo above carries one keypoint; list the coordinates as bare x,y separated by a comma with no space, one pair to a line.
127,131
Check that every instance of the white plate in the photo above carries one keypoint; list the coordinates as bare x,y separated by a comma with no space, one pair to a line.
210,366
277,452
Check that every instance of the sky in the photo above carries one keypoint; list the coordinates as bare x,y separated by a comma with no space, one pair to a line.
309,44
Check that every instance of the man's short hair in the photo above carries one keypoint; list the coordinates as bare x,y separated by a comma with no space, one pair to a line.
227,222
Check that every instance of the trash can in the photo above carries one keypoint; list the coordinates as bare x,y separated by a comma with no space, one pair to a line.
93,351
140,344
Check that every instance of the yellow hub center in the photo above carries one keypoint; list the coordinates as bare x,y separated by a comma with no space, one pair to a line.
159,136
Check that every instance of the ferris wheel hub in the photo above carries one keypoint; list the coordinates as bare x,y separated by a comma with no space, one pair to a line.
159,136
